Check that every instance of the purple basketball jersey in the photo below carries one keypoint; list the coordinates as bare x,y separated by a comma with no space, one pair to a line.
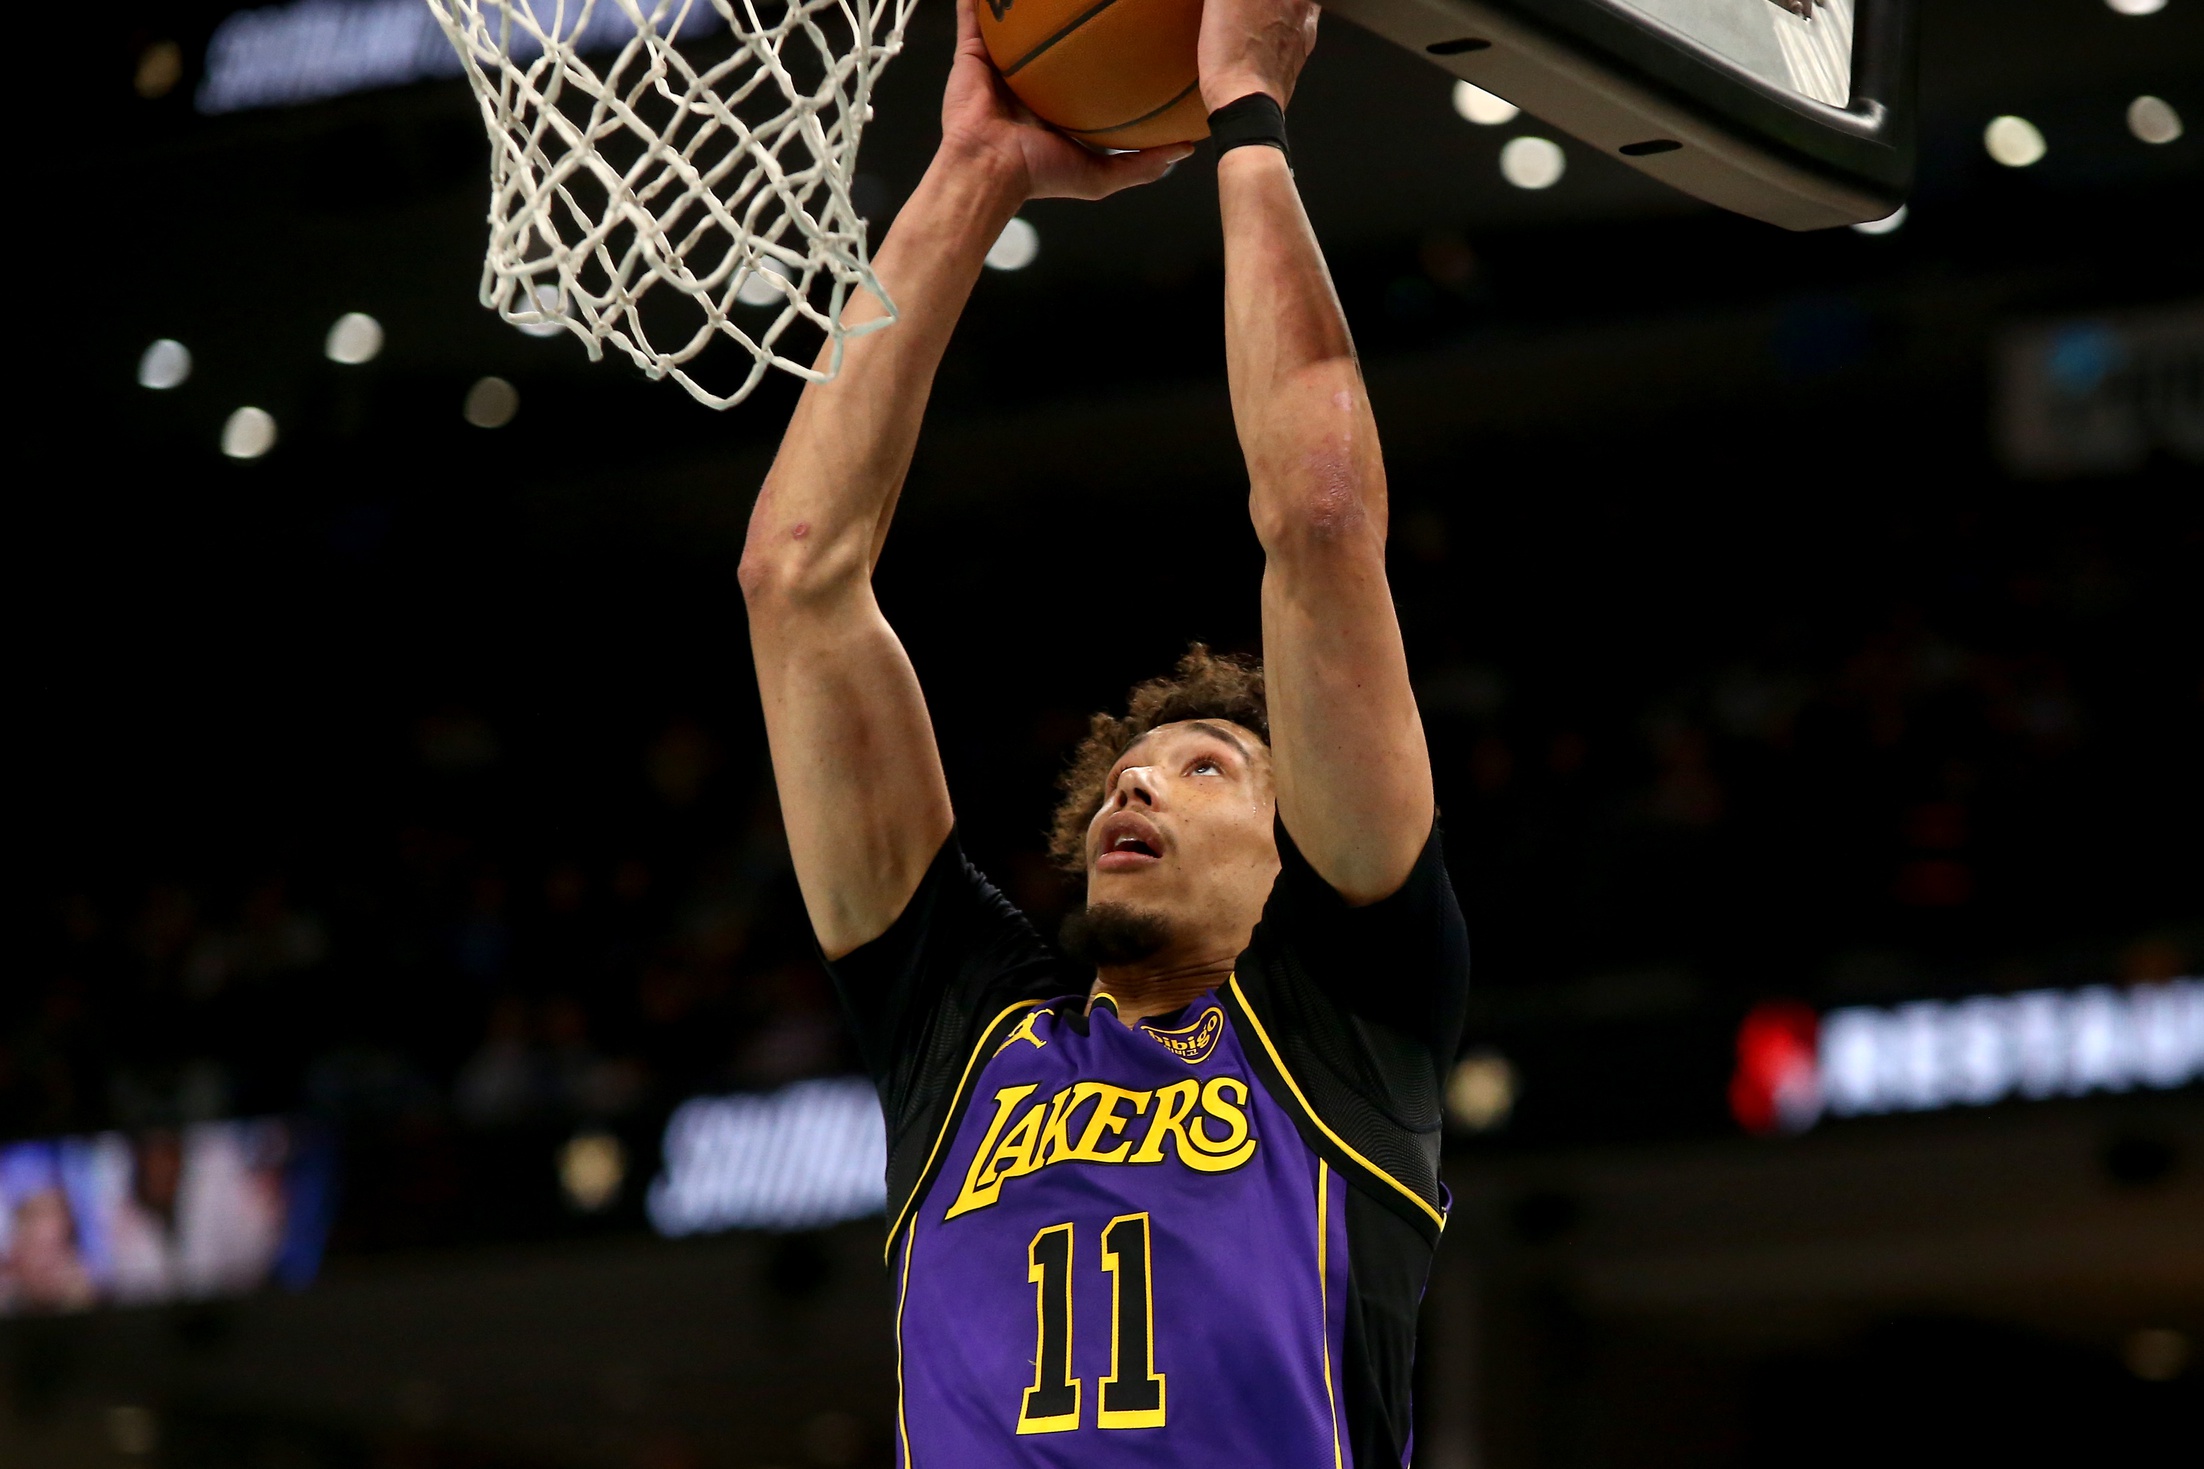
1127,1256
1196,1241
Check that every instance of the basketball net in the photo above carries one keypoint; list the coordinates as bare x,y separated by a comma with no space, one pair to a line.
718,180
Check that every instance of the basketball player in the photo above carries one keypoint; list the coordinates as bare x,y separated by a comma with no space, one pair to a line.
1182,1214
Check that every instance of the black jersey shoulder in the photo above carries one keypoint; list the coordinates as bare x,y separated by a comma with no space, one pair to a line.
956,970
1352,1016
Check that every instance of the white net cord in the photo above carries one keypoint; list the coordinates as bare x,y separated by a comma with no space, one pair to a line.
719,179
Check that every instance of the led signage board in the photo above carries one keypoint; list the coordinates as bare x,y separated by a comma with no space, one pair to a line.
281,55
809,1155
212,1209
1795,1067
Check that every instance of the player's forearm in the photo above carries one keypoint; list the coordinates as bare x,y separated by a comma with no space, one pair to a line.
1353,776
1297,394
823,511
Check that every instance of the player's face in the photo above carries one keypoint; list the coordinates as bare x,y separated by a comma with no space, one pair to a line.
1184,832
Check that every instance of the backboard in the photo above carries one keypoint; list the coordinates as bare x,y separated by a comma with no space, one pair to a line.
1801,118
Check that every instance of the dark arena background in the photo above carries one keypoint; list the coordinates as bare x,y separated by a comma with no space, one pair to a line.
412,1054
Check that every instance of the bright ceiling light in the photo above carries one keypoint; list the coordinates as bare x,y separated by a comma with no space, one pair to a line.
160,68
547,302
250,433
491,403
592,1166
2136,7
2153,120
1481,1091
1479,106
1532,163
165,365
757,288
1015,247
356,338
2013,141
1884,225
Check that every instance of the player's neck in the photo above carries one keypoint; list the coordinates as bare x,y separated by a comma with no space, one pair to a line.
1138,991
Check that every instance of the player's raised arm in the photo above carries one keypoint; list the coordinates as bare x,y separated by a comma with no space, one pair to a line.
1353,774
853,752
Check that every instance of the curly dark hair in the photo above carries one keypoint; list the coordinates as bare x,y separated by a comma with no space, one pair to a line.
1205,685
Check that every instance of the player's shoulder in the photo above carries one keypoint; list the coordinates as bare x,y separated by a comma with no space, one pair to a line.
1376,994
1419,924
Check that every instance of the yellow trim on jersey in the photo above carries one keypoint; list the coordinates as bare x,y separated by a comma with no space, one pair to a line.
1321,1126
887,1251
902,1428
1323,1296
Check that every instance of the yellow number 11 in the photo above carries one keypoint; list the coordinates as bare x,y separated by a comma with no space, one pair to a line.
1132,1395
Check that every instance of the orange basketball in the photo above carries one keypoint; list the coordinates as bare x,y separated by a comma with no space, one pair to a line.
1112,73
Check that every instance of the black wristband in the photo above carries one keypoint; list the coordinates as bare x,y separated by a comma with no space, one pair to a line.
1255,118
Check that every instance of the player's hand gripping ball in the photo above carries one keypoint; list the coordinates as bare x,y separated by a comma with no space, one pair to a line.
1114,74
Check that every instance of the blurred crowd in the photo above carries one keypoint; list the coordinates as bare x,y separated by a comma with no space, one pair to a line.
1969,769
1782,805
453,970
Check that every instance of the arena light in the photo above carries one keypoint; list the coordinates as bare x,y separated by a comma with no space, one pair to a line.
1475,104
1015,247
160,68
1532,163
2153,120
1481,1091
249,433
2135,7
491,403
2014,141
812,1154
355,338
757,289
166,364
1794,1067
547,301
1884,225
592,1167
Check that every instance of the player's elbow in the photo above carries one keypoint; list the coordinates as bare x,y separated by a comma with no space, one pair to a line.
762,575
785,571
1318,481
1320,504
